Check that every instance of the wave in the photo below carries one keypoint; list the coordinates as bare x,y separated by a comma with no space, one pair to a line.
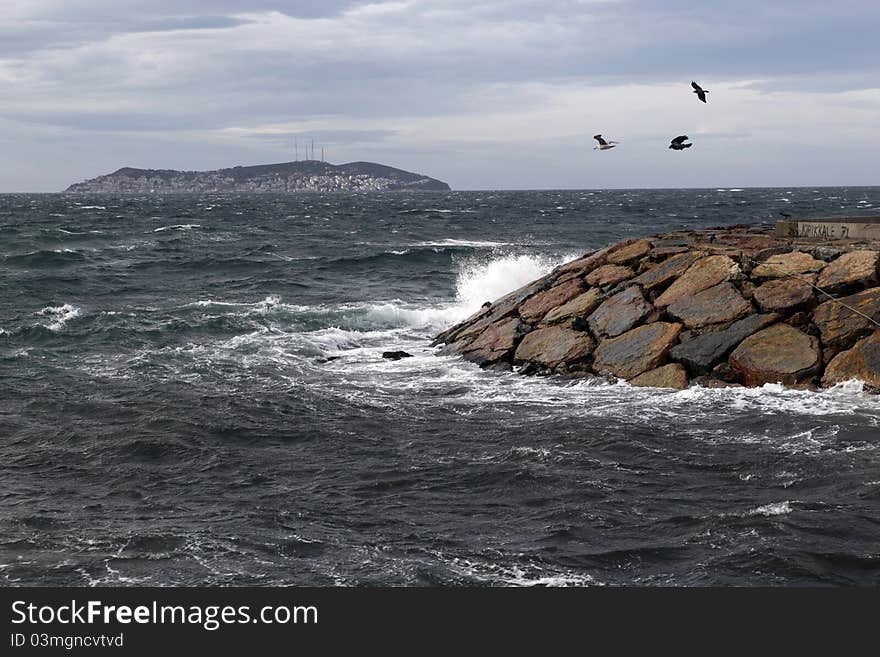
177,227
477,244
58,316
47,257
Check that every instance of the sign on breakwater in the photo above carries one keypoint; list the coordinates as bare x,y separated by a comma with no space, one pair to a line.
832,228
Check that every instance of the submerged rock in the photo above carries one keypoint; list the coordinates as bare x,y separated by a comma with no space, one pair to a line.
395,355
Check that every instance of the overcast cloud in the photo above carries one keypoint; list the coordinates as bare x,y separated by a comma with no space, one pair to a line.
479,94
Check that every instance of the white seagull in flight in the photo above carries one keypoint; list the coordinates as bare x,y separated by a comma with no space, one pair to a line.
603,145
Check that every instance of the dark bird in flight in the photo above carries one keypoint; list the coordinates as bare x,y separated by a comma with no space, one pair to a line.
701,93
678,143
785,214
603,145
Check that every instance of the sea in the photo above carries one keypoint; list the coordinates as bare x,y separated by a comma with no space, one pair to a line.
192,392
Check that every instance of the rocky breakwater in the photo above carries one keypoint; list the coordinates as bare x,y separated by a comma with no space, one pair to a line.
715,307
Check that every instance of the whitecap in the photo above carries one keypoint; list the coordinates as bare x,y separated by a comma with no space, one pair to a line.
774,509
177,227
59,315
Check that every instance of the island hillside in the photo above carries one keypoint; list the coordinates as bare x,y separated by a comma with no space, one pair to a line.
303,176
726,306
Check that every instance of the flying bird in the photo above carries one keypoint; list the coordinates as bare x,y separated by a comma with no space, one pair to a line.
678,144
603,145
701,93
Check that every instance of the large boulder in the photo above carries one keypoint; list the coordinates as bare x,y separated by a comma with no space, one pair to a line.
539,305
495,344
619,313
840,326
861,362
581,306
584,265
716,305
701,353
628,252
609,275
855,267
787,264
777,354
666,271
784,294
704,273
667,376
636,351
553,346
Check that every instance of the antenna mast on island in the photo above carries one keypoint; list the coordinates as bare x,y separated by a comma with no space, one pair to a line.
295,150
322,154
313,148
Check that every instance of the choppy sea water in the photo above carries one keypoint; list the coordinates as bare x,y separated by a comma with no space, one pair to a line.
192,392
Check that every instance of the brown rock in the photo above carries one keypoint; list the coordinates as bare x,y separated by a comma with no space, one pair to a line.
585,264
629,252
540,304
849,269
667,376
581,306
722,303
861,362
620,313
704,273
662,252
636,351
667,270
839,326
777,354
495,343
786,264
783,294
609,275
553,346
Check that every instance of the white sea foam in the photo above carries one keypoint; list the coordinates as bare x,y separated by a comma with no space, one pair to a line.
518,575
177,227
463,243
774,509
480,281
59,315
92,207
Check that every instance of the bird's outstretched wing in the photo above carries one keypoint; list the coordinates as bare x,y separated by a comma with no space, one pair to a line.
696,87
601,141
680,139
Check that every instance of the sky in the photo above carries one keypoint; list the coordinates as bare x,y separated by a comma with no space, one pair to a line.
482,95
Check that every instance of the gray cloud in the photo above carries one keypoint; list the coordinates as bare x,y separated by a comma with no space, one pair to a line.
426,81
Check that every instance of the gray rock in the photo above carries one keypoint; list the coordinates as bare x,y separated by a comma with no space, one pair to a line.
703,352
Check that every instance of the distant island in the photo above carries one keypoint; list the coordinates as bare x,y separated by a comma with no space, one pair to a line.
301,176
